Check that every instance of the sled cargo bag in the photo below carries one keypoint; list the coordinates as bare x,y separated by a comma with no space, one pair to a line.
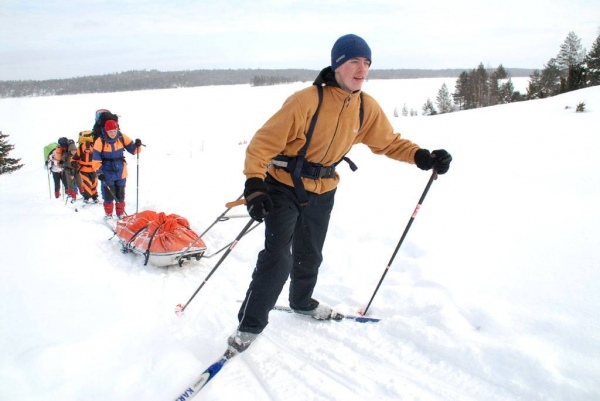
162,239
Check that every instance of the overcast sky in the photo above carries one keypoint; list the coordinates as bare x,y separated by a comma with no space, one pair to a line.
43,39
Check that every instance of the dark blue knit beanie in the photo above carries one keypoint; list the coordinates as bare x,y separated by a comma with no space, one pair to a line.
347,47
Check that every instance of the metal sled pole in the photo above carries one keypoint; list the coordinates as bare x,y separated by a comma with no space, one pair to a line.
180,308
239,201
137,185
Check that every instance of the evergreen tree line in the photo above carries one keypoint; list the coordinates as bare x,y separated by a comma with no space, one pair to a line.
153,79
265,80
140,80
480,88
573,68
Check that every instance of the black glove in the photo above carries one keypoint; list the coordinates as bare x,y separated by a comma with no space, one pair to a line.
138,143
101,177
258,202
438,159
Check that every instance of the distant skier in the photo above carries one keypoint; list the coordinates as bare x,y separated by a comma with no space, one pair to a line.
70,170
108,161
56,168
292,179
62,158
83,157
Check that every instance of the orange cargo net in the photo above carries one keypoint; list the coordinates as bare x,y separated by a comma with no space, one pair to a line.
163,233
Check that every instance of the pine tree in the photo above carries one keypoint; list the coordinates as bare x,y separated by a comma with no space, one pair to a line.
571,53
481,86
576,77
592,62
507,90
534,88
460,90
550,80
428,109
7,164
501,72
443,100
498,89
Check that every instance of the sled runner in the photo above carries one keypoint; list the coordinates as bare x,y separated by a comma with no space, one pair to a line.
163,240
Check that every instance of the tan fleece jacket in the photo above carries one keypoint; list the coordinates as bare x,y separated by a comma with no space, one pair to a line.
336,131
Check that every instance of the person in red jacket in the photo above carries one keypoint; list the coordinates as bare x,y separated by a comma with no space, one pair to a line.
108,161
291,180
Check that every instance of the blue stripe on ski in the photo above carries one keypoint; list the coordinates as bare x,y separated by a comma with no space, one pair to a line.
356,318
206,376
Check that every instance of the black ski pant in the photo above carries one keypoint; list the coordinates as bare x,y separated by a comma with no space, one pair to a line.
294,237
58,178
116,188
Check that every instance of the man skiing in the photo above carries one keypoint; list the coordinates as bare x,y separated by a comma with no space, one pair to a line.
291,180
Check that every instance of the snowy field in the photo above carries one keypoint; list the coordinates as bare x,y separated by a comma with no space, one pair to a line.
494,294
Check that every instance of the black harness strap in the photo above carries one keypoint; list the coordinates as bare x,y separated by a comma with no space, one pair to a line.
134,236
299,167
296,169
147,253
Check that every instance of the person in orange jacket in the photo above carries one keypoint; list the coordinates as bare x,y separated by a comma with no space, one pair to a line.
108,161
83,159
291,180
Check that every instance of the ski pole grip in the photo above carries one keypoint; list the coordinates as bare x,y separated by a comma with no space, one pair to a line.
235,203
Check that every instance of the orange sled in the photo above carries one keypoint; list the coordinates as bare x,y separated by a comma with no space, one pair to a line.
163,240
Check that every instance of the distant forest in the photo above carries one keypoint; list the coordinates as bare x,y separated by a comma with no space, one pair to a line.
153,79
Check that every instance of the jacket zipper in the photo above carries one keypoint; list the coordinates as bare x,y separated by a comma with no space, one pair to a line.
344,105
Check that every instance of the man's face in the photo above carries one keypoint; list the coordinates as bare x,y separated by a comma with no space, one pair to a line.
351,75
112,133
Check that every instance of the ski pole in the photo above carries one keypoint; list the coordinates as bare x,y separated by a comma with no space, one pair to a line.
65,186
49,189
137,184
180,308
410,221
63,180
112,194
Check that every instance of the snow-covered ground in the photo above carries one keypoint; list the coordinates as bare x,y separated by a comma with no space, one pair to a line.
494,295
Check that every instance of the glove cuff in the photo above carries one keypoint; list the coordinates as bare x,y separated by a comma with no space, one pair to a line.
254,184
423,159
